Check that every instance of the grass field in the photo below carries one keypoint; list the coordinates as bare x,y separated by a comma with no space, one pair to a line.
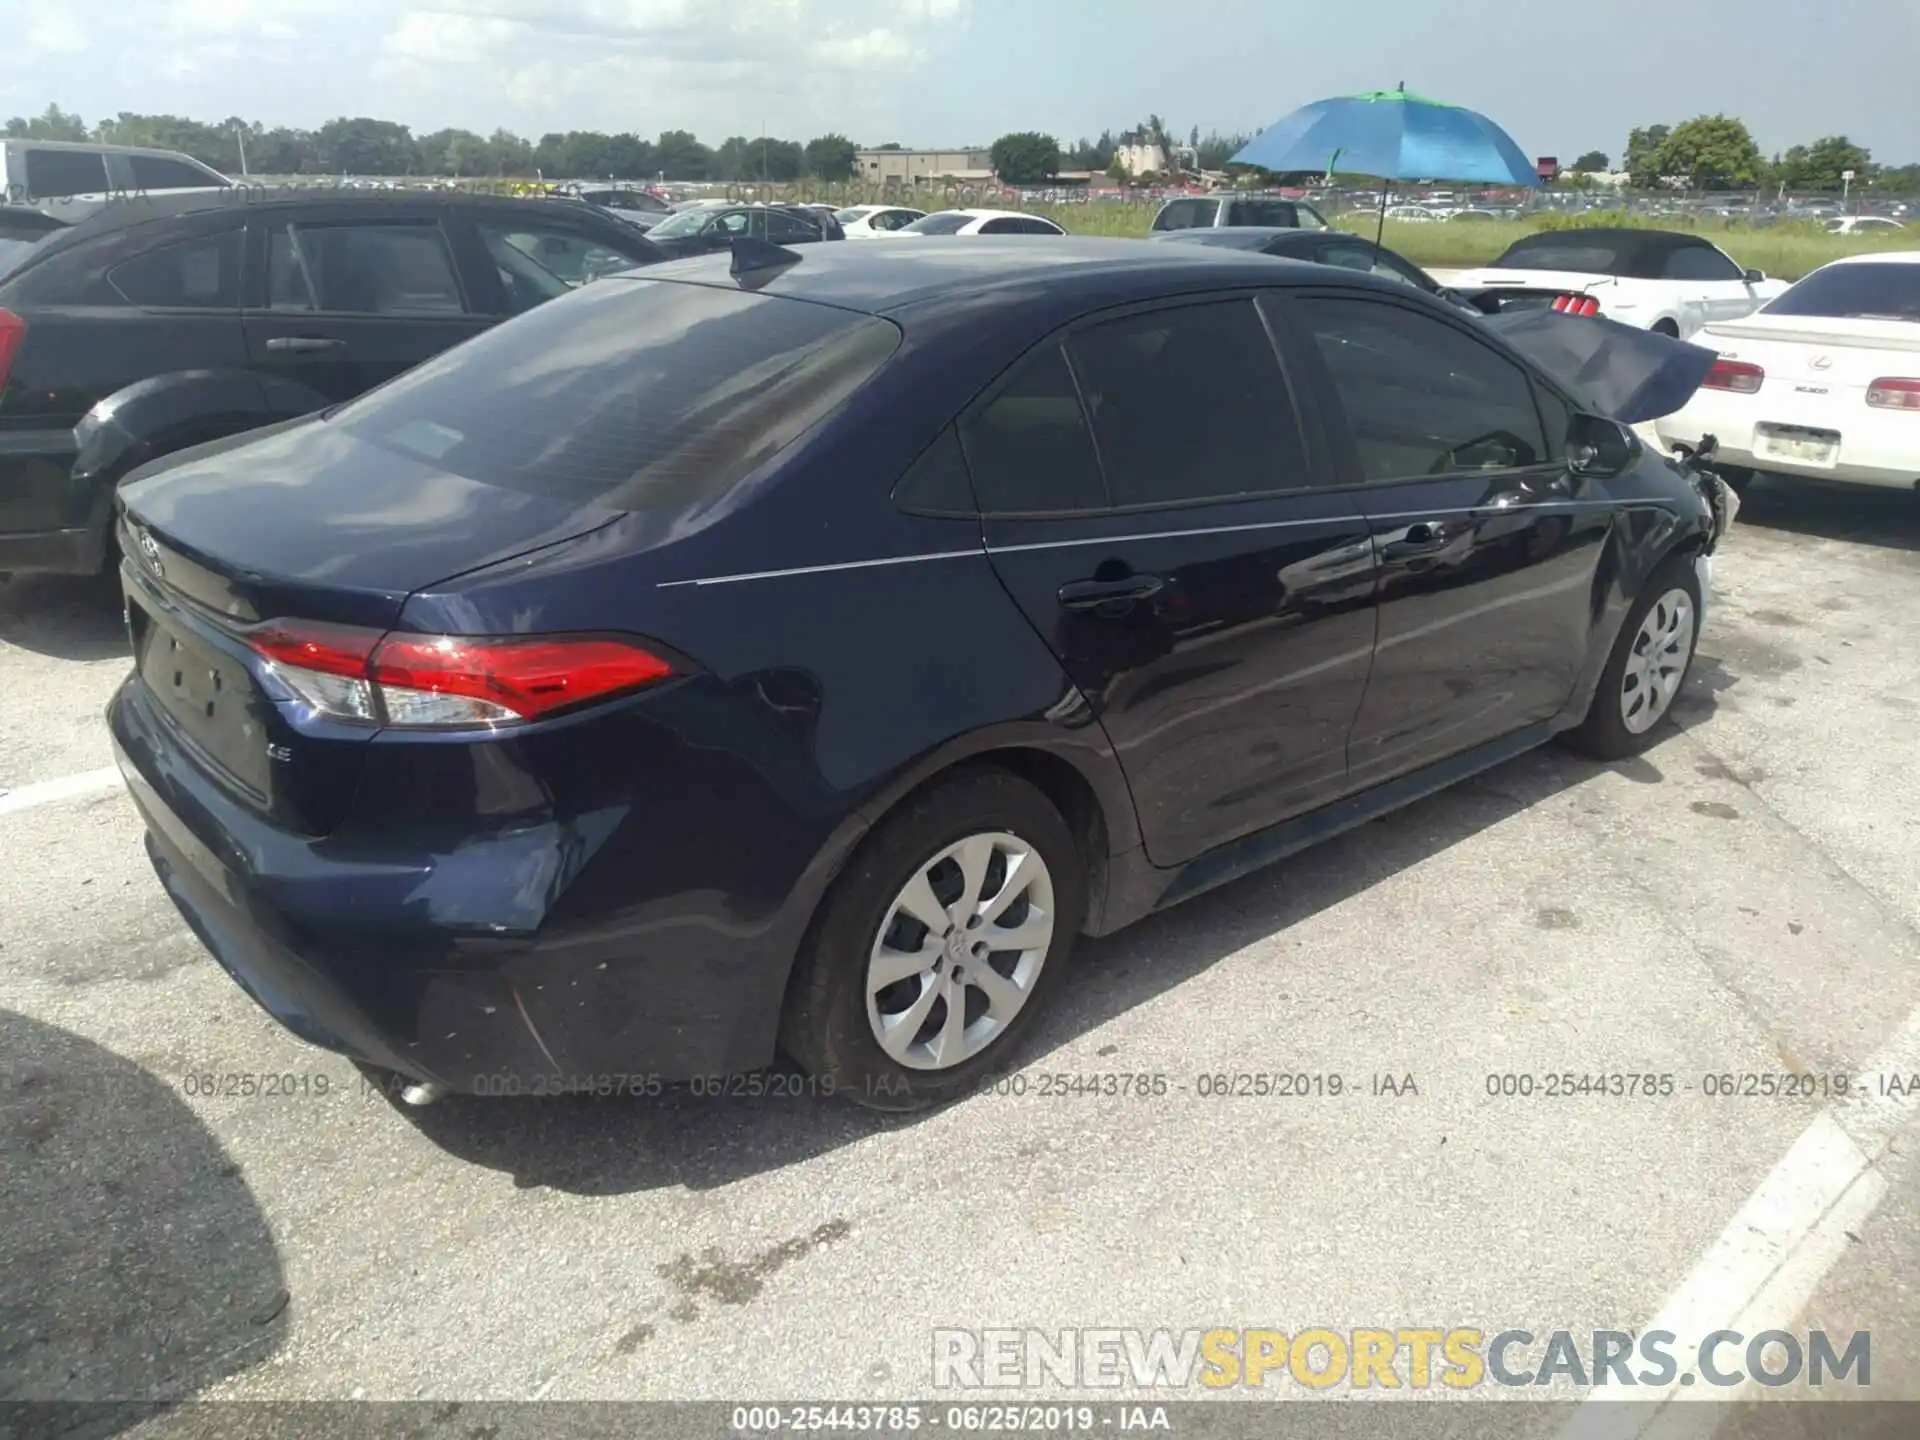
1786,251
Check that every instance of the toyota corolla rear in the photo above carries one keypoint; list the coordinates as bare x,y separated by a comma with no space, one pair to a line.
1824,383
458,841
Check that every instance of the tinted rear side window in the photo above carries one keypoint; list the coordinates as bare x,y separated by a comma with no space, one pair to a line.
1029,447
52,173
1189,404
643,394
200,274
157,172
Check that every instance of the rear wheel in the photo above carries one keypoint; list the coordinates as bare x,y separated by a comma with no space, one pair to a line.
1737,477
940,945
1647,668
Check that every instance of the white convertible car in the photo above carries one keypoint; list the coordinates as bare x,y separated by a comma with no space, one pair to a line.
1655,279
1824,382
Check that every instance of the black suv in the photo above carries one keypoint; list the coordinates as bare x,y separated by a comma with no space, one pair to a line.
158,323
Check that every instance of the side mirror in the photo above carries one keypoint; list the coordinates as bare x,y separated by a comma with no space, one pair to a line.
1755,277
1597,446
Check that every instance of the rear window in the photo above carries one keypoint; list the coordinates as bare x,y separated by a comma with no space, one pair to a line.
1564,252
1858,290
1283,214
944,222
641,395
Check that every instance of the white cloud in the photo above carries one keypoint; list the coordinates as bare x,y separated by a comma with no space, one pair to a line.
55,35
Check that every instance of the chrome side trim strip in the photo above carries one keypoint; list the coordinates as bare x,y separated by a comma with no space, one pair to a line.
820,569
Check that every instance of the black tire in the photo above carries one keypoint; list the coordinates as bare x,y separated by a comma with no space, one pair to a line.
826,1027
1737,477
1604,734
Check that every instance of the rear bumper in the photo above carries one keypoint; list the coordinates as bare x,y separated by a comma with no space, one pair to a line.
1881,449
352,944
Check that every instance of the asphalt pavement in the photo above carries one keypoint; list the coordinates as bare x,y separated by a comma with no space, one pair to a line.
1740,901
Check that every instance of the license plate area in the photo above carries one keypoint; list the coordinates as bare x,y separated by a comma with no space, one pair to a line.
210,698
1799,443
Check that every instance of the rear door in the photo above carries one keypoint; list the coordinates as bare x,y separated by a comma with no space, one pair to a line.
1152,501
1487,543
1186,215
339,300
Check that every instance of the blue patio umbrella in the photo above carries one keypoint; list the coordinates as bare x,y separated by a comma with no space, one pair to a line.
1392,134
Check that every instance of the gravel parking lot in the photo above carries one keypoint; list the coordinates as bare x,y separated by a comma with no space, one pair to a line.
1742,900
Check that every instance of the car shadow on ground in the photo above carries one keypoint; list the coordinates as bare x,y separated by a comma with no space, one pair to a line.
135,1264
1889,518
611,1146
69,617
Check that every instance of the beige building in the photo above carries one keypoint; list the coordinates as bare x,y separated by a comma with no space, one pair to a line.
904,167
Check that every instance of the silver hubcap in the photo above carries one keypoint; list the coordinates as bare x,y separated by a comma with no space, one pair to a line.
1657,662
960,951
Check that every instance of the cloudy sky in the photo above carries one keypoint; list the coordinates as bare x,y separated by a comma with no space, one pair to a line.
1562,78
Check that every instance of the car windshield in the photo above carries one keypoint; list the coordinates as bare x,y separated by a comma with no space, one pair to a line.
636,394
687,222
1857,290
1564,251
944,222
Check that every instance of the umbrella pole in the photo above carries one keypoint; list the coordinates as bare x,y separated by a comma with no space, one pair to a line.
1381,230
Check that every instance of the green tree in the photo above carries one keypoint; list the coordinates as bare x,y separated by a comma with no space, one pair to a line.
1594,162
1026,157
830,157
364,146
508,154
770,159
1711,152
890,145
1643,151
682,156
52,124
1829,158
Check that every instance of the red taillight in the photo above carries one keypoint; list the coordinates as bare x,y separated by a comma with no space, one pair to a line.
1576,305
1735,375
441,681
527,678
13,330
1894,393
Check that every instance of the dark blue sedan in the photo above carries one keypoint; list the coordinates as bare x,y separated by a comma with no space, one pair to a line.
805,649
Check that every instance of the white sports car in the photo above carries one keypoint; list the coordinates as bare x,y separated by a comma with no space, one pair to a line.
1655,279
863,222
1824,382
979,222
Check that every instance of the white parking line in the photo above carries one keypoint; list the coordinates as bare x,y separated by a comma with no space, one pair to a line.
67,787
1762,1271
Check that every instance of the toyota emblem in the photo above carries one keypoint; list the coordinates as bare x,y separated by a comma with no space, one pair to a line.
150,552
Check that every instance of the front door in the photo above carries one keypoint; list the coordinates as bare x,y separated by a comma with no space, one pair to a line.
341,304
1151,503
1487,543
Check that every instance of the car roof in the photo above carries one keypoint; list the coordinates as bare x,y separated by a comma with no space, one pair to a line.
1624,237
997,214
1244,236
1897,257
126,212
994,271
89,147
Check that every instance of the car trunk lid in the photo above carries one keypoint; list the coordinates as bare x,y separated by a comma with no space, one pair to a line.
302,521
